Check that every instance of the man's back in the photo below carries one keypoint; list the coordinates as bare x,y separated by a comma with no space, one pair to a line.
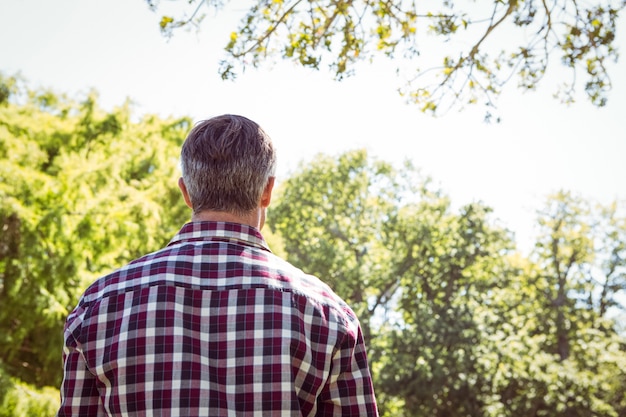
214,325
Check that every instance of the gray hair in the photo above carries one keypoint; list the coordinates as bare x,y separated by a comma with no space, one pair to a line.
226,163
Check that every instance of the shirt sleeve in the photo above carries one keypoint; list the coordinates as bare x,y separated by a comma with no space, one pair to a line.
349,390
79,390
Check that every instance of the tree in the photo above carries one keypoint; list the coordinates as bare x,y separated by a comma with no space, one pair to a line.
463,38
82,191
582,258
563,349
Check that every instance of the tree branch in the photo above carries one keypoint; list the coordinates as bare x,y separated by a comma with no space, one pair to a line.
267,33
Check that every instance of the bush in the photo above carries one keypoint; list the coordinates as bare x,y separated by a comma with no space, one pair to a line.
22,400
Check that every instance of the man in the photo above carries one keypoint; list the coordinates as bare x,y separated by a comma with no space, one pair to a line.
214,324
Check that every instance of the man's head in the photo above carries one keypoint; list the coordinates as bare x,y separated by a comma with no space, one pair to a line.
227,162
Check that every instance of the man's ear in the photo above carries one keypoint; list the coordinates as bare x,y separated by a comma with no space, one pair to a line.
183,190
266,197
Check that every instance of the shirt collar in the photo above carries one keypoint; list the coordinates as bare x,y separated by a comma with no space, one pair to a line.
220,231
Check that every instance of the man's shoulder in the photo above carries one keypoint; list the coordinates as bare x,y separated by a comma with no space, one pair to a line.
126,276
311,288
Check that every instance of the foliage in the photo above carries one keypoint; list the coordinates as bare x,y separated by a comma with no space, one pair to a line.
479,47
21,400
82,191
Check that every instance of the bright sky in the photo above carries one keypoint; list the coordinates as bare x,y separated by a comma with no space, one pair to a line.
539,147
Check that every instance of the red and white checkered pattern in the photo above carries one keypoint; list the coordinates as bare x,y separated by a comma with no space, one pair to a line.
214,325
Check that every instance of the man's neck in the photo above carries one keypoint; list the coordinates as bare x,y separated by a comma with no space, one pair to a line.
253,219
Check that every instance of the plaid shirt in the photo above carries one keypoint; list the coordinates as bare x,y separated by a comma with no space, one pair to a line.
214,325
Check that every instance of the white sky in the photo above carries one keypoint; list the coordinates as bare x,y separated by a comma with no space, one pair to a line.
539,147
